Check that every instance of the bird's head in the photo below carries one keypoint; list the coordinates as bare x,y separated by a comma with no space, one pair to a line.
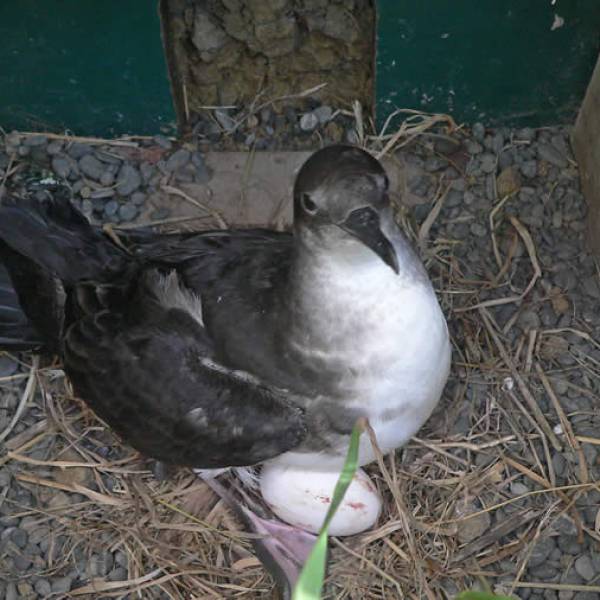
345,187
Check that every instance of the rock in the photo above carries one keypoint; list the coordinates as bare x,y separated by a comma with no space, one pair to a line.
118,574
478,229
527,134
62,585
97,194
128,211
585,567
529,169
89,165
529,319
11,591
19,537
225,120
352,136
128,180
177,160
55,147
434,163
569,544
162,141
21,562
473,147
309,122
266,115
138,198
111,208
107,178
488,163
508,182
540,552
207,36
76,150
160,214
61,166
323,114
35,140
473,528
8,366
591,287
552,155
43,588
478,131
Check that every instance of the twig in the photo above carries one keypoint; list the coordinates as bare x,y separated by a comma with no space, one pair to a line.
25,397
533,405
211,211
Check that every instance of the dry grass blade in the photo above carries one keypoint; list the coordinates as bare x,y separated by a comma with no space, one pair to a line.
169,189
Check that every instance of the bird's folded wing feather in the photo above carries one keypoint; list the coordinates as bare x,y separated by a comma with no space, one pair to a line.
148,370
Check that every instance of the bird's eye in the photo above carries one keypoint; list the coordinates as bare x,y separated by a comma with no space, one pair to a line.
309,206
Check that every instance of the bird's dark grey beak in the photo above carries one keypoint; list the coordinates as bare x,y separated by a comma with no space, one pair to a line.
363,224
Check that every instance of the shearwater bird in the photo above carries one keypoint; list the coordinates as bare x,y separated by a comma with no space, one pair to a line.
245,347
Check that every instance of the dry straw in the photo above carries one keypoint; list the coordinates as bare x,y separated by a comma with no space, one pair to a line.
452,514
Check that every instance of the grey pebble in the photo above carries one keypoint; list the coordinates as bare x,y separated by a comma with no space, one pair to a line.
323,114
128,180
250,139
224,119
529,319
35,140
43,588
266,116
138,198
128,211
351,136
529,169
89,165
22,563
177,160
118,574
309,121
473,147
11,591
527,134
434,163
111,208
162,141
62,585
569,544
488,163
585,567
478,229
61,166
8,366
76,150
20,537
478,131
107,178
160,213
55,147
591,287
540,551
98,194
552,155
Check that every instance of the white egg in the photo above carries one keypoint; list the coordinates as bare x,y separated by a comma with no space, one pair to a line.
302,498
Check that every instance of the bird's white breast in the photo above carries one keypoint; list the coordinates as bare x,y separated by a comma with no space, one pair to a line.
389,333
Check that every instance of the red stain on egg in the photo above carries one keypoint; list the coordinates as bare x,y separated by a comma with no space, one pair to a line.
324,499
357,505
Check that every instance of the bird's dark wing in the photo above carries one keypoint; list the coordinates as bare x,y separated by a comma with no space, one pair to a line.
146,367
241,277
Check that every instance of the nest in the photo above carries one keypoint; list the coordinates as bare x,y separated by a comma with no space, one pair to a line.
453,516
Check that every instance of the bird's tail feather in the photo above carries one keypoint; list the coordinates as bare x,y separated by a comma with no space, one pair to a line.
46,246
58,238
16,331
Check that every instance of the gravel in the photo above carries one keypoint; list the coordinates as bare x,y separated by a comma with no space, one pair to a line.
538,178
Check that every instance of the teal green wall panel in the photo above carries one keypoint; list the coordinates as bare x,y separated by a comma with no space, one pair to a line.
95,67
498,61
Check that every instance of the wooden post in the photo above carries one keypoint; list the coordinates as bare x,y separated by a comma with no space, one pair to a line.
586,146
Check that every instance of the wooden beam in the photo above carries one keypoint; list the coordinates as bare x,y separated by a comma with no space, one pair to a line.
586,146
